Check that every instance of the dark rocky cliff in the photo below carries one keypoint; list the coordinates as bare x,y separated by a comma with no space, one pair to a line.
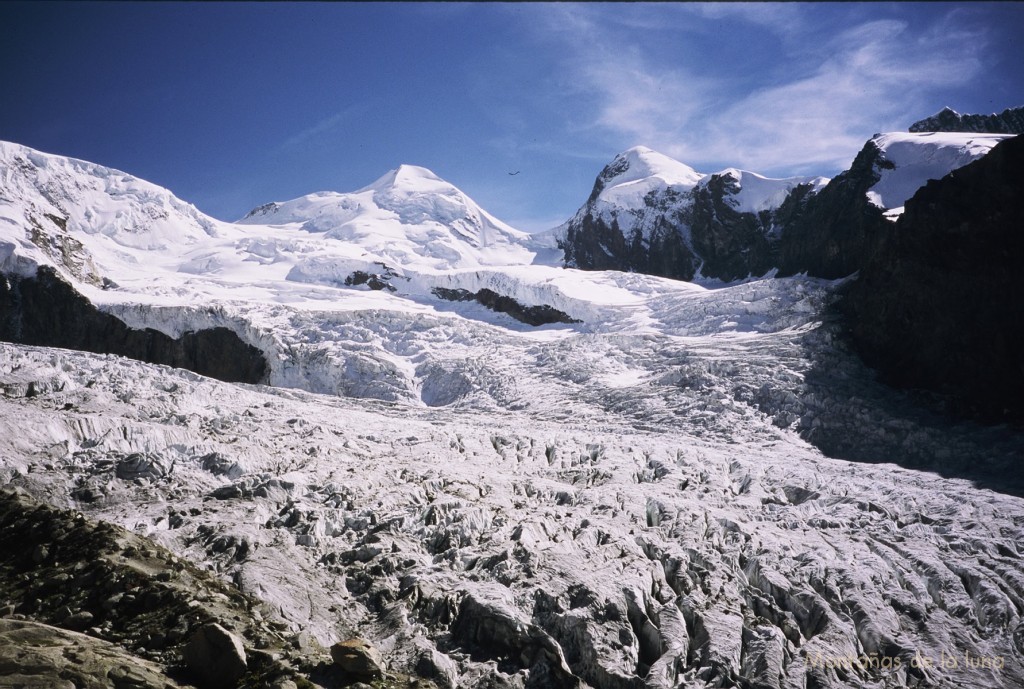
686,232
732,244
1009,121
827,234
938,303
594,243
46,311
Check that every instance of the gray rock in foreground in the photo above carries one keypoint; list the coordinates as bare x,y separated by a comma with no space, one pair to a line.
38,656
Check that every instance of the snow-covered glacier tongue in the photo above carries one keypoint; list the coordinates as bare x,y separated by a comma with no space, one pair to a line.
631,497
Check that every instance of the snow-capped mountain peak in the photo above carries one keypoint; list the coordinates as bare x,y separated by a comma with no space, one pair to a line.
408,217
651,213
644,162
638,170
97,200
409,177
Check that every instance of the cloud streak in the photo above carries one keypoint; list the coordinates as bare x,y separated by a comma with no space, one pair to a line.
324,126
832,94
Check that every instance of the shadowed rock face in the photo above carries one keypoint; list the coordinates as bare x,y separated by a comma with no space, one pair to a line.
827,234
46,311
593,243
937,304
733,244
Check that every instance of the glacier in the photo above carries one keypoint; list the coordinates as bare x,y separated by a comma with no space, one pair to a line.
695,485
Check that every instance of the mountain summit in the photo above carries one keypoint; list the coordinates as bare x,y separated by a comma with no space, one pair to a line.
635,172
409,215
651,213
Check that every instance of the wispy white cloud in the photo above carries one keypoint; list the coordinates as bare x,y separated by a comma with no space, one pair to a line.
325,125
876,79
612,79
834,91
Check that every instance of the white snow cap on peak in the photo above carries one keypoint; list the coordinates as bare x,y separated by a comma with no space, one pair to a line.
643,163
408,178
637,171
410,218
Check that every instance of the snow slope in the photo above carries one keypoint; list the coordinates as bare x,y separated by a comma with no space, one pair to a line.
754,193
632,500
914,158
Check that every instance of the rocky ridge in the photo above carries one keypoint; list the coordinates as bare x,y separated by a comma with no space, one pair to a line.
1009,121
679,226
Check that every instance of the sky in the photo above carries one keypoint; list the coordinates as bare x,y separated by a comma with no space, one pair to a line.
232,105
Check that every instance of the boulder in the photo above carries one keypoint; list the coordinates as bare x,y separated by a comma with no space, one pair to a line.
215,657
139,466
358,658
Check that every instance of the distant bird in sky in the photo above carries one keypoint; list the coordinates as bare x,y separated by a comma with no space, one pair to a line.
514,173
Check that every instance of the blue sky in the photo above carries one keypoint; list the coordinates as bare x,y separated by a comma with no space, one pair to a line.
233,105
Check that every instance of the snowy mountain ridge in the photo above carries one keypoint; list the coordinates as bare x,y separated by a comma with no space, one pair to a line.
649,213
911,159
640,179
1009,121
412,219
112,211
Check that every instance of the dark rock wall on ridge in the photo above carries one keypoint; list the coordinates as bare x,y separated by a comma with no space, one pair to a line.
1009,121
939,302
732,244
46,311
827,234
593,243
